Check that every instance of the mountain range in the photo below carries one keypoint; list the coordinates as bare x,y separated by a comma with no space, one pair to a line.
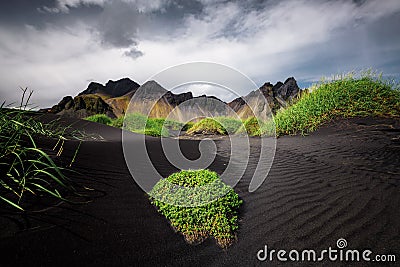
151,98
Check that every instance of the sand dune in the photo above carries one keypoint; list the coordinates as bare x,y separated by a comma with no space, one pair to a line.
340,182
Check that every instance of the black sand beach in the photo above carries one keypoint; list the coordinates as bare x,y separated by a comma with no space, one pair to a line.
341,181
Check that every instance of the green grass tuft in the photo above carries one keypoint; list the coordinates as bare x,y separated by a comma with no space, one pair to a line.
100,118
217,218
26,171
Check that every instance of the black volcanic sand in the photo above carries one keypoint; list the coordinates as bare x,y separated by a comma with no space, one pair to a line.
340,182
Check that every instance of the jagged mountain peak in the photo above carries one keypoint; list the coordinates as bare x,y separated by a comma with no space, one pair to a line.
112,88
276,95
152,87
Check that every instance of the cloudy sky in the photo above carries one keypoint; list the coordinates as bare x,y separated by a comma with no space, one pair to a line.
56,47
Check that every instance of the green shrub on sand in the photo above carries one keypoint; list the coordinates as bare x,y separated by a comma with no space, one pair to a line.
117,122
253,127
207,126
346,97
156,132
135,122
231,125
139,123
100,118
214,218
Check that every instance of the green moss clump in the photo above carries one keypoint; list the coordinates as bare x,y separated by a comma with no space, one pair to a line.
187,126
347,97
207,126
100,118
198,205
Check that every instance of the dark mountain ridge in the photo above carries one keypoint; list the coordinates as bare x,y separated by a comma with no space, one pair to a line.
112,88
114,97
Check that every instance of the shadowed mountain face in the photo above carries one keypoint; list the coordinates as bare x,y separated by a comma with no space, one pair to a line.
277,96
112,88
106,99
115,97
82,106
153,99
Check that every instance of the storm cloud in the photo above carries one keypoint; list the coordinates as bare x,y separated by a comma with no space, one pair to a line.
57,47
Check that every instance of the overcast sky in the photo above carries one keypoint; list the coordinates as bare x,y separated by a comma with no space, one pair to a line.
56,47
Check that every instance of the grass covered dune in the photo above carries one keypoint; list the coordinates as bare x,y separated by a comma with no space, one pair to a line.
346,97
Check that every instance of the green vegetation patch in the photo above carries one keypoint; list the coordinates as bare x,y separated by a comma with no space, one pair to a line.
117,122
231,125
26,171
100,118
346,97
228,125
198,205
187,125
207,126
253,127
139,123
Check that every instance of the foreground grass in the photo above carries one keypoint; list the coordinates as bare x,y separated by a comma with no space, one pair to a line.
26,171
346,97
216,218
